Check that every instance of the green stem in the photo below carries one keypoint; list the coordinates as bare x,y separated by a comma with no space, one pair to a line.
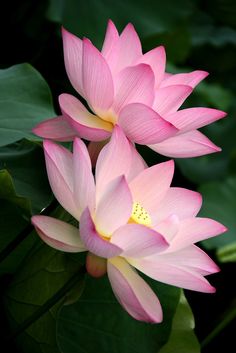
24,233
47,305
225,322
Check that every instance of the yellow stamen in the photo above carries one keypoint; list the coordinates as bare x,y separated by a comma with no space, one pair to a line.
139,215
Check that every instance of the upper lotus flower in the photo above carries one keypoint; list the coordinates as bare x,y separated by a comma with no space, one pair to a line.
130,218
125,87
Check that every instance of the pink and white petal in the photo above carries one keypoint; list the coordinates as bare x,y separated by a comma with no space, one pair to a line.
196,229
84,186
87,125
111,45
114,207
189,144
137,240
73,49
134,85
169,99
97,78
93,241
94,148
191,79
143,125
181,202
130,48
178,276
56,129
168,227
137,165
60,174
151,185
114,160
133,292
58,234
156,58
194,118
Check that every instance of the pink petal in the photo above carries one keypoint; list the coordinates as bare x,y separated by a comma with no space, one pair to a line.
137,163
94,148
114,207
114,160
130,48
189,144
168,227
169,99
110,45
181,202
134,85
194,118
169,273
193,230
73,48
143,125
137,240
86,125
151,185
156,58
58,234
97,78
191,79
56,129
84,186
93,241
132,292
60,175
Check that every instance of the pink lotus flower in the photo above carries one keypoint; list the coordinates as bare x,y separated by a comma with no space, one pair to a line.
131,218
122,86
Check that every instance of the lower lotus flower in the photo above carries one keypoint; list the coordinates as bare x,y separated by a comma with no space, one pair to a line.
129,219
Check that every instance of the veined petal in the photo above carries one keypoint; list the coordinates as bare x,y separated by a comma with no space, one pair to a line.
130,48
137,240
110,45
56,129
133,292
193,230
190,144
137,165
175,275
114,207
84,186
191,79
151,185
134,84
97,78
114,160
58,234
169,99
156,58
194,118
60,174
86,125
93,241
181,202
168,227
73,49
143,125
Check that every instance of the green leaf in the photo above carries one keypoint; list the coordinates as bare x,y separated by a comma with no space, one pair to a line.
227,253
97,322
25,100
44,272
219,203
182,338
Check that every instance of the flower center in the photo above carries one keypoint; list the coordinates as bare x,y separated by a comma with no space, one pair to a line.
108,116
139,215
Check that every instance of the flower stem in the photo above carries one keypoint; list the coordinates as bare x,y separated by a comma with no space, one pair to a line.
24,233
222,324
47,305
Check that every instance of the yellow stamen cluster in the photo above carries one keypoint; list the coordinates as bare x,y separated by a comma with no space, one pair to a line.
140,215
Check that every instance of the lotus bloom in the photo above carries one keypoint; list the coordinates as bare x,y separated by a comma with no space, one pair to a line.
125,87
130,218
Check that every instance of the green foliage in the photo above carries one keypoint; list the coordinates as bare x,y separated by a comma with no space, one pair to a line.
227,253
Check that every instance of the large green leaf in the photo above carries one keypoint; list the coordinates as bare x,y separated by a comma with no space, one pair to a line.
25,100
182,338
219,203
98,323
44,272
